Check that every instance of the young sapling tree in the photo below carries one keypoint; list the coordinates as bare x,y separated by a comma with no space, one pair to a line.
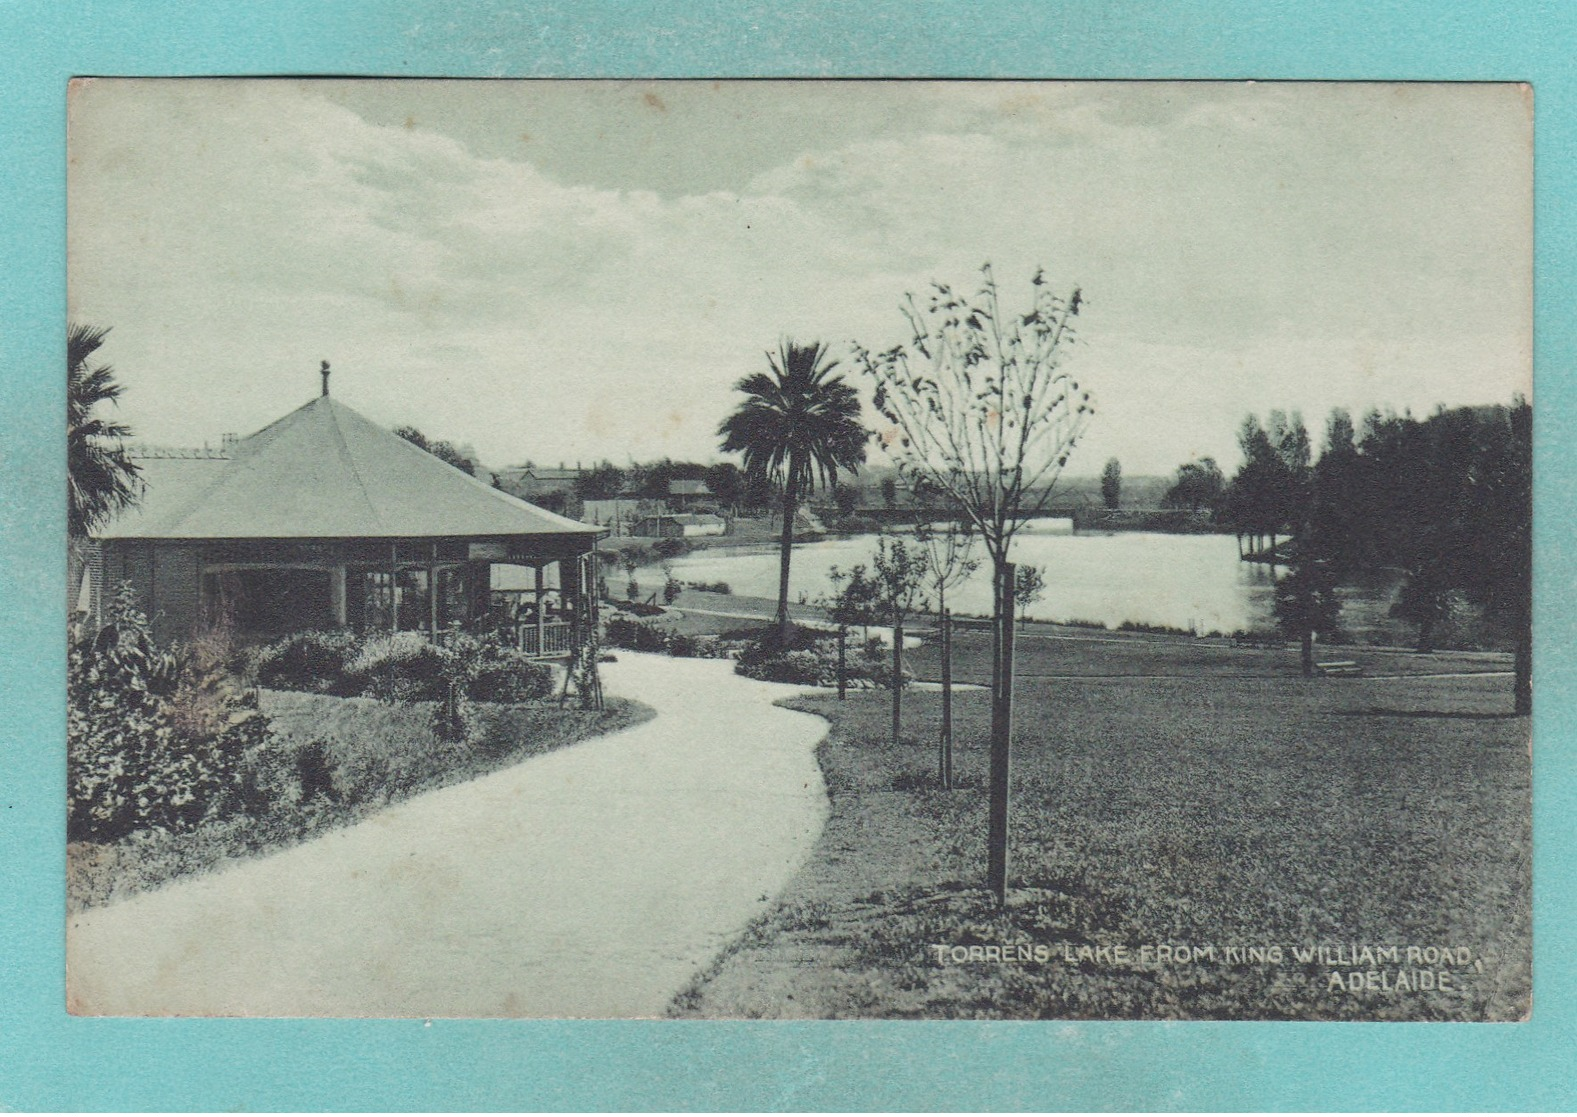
977,403
899,574
949,546
1029,583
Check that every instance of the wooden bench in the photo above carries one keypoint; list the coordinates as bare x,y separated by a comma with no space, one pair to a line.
1340,667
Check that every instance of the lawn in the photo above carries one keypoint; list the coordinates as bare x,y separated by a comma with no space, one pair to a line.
366,754
1210,799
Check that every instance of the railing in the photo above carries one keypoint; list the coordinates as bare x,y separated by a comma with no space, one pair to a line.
547,638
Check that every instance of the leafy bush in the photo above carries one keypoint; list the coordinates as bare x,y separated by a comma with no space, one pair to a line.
507,675
310,661
811,659
151,746
803,668
404,667
401,667
314,773
807,658
637,636
872,666
710,587
210,699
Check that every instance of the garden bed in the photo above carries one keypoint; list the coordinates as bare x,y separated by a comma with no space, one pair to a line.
331,762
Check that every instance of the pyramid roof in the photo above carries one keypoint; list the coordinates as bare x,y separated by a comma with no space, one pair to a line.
326,472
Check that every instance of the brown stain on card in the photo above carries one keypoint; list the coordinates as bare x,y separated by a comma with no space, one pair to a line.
654,101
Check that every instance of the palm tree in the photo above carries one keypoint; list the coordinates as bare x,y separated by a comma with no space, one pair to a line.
101,478
798,426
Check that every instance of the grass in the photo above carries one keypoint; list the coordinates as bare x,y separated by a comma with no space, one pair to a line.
375,754
1047,652
1184,809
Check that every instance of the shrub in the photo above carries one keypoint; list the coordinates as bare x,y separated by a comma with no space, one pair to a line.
210,699
504,674
802,668
637,636
453,719
402,667
710,587
310,661
132,765
873,665
314,773
807,659
681,646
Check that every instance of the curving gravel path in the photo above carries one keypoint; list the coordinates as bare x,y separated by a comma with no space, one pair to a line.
593,881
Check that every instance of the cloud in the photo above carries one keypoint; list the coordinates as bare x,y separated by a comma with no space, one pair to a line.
1236,244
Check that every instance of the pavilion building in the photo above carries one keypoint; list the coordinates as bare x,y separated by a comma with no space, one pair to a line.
324,519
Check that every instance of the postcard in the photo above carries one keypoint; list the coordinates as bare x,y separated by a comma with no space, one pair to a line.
808,549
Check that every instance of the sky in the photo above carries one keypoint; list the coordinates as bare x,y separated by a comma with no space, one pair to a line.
572,271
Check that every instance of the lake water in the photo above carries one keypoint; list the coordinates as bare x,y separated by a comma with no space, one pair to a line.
1184,581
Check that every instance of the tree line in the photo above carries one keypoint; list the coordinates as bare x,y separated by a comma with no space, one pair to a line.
1447,500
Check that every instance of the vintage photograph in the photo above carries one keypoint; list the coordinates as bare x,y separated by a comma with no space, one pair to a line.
799,549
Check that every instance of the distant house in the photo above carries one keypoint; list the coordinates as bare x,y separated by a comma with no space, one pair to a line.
684,496
681,525
323,520
532,482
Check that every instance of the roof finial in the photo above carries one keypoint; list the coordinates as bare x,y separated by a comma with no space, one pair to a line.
325,374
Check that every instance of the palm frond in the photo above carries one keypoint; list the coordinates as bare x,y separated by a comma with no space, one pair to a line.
101,477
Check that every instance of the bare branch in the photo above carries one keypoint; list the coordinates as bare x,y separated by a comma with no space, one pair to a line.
978,404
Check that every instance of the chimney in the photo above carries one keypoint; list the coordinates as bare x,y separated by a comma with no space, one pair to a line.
324,372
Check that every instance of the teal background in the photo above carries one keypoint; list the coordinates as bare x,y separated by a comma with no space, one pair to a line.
49,1060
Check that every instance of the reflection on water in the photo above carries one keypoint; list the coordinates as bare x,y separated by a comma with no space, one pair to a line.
1184,581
